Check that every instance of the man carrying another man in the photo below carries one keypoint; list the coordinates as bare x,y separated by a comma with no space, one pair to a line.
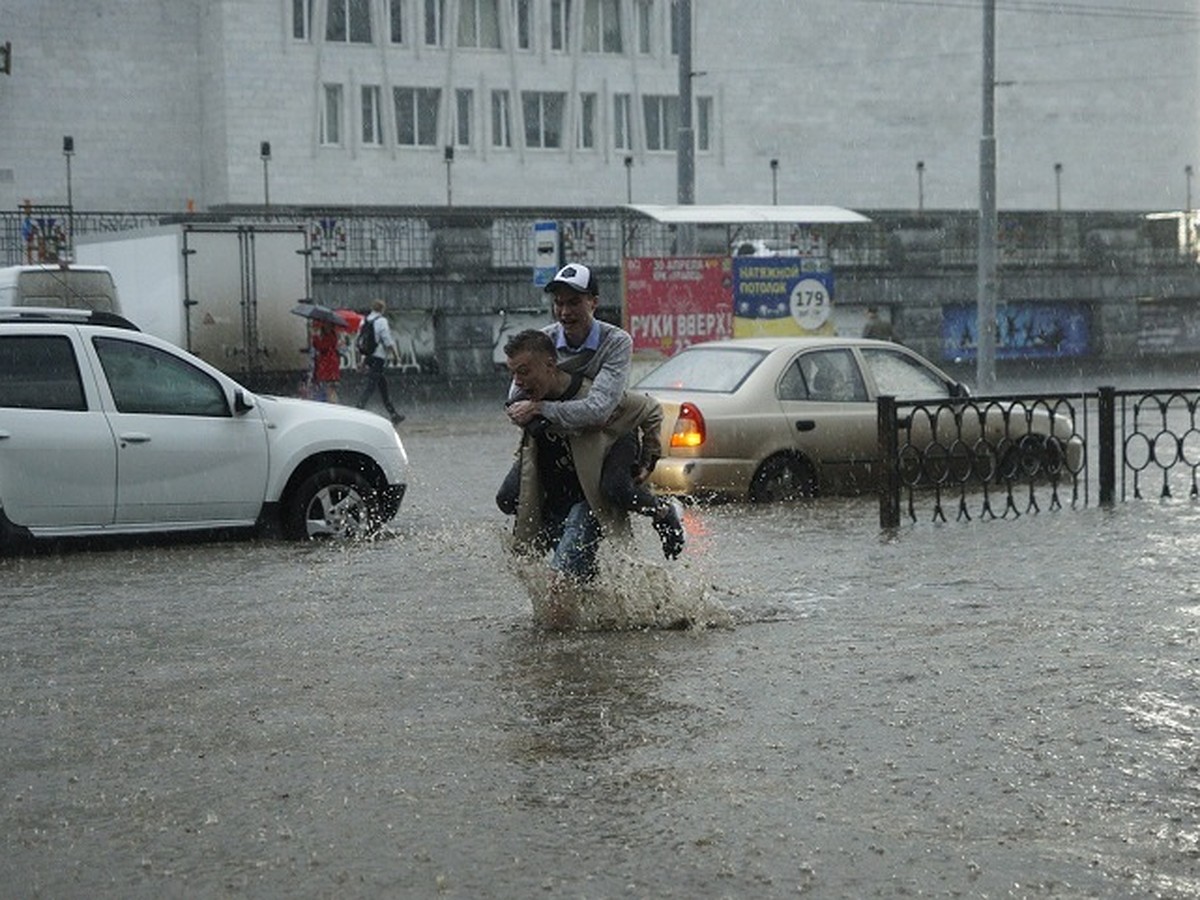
602,354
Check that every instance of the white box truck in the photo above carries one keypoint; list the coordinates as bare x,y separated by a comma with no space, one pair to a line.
222,292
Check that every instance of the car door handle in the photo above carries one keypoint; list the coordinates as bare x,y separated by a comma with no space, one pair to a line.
135,437
805,424
4,434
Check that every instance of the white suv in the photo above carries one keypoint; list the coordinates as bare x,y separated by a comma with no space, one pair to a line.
105,430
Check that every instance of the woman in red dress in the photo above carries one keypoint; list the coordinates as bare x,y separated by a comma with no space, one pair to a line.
327,361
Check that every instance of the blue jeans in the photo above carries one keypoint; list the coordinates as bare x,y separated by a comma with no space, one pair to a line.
575,552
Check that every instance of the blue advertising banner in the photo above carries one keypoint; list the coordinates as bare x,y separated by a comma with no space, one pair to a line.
1023,331
781,295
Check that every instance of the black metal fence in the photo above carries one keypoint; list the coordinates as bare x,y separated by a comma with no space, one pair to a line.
1001,456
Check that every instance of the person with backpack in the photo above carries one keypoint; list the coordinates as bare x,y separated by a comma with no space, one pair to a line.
375,346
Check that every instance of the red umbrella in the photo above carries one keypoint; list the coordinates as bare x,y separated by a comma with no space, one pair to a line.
353,320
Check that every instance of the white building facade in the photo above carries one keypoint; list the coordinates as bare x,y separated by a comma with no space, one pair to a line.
528,103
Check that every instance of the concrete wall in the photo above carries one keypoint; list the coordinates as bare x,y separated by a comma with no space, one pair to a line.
170,99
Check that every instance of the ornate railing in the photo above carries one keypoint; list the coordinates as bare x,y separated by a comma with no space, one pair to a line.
995,457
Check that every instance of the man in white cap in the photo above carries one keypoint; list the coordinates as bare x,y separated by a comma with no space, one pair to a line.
603,353
597,350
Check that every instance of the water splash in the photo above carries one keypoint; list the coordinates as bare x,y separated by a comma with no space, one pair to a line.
630,593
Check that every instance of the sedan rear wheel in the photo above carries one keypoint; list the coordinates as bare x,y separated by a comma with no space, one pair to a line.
783,478
331,503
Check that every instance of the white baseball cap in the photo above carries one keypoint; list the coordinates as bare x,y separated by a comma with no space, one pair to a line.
577,277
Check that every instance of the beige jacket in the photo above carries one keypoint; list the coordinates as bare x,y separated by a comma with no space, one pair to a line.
588,448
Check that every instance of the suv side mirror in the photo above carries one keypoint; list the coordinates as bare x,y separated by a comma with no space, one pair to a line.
242,402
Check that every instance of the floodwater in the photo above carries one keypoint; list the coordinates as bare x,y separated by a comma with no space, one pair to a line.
980,709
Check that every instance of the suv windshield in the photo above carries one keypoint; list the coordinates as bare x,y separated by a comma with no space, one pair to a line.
714,369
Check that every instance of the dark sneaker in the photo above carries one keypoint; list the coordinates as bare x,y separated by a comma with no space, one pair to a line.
668,522
397,418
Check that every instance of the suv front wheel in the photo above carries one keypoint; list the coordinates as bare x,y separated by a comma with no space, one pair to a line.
333,502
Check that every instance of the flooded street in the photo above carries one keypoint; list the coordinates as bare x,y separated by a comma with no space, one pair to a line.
984,709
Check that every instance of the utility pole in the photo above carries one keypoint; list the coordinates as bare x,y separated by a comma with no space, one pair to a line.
985,323
686,147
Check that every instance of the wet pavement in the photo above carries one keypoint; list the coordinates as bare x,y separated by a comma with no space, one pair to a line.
982,709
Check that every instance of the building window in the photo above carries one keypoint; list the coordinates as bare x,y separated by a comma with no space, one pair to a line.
602,26
478,24
644,13
586,132
523,22
622,122
372,115
464,106
348,21
331,115
396,12
416,116
674,28
560,25
435,15
543,118
662,121
302,20
704,111
501,119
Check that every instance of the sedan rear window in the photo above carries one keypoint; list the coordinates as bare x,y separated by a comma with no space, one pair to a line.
704,369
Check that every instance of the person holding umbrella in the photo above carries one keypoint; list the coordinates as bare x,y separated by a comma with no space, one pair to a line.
327,360
324,344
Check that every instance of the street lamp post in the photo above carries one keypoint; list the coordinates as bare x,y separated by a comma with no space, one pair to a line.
449,156
629,179
920,186
1058,222
68,152
1190,230
264,151
775,193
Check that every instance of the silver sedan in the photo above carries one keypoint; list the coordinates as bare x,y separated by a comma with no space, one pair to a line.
770,418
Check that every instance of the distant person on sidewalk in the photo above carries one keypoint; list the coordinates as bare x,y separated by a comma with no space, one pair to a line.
327,361
378,346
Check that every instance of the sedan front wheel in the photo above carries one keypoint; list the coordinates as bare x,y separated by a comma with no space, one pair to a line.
331,503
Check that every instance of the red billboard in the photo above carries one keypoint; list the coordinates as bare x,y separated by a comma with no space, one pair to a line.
672,302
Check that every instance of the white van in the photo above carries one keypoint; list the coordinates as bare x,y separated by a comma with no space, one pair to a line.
59,287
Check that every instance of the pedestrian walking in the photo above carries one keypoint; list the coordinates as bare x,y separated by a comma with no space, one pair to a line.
376,346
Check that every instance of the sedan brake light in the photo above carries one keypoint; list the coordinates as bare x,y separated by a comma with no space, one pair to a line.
689,427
